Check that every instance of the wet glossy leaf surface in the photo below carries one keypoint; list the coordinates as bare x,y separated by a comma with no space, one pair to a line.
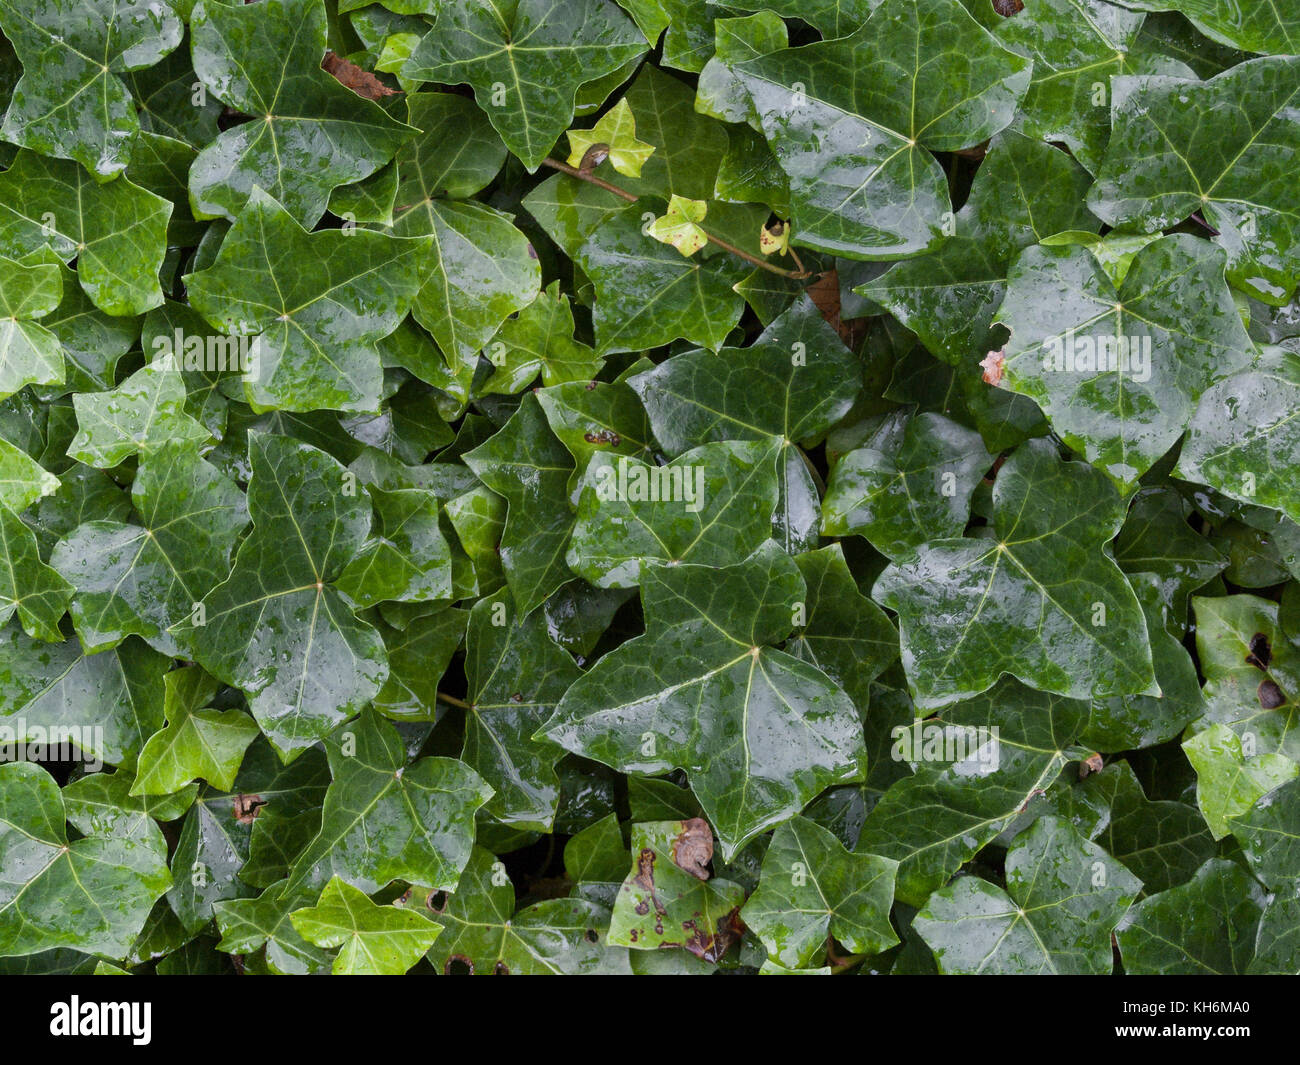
649,487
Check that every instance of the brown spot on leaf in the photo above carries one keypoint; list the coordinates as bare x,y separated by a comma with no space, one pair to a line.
246,808
711,948
645,880
1008,8
693,847
351,76
1091,764
500,969
458,965
1270,695
517,697
603,436
1260,652
1030,798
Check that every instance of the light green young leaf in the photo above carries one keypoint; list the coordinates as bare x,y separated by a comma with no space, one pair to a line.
196,742
375,940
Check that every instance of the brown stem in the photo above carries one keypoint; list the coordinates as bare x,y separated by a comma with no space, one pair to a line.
762,263
453,701
586,175
573,171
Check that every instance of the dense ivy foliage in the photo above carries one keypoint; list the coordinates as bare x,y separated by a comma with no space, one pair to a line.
649,486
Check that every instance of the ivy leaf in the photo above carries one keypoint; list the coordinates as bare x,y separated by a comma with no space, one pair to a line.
539,340
720,93
1076,49
844,634
1276,943
1207,925
317,329
306,133
249,924
810,382
116,232
385,820
1228,780
934,821
1063,897
525,60
1267,28
1023,191
196,742
1118,369
418,656
595,417
616,131
145,412
101,803
915,487
711,506
811,887
28,586
1252,672
71,102
277,627
1242,439
29,353
1162,842
831,18
1024,601
597,854
648,294
530,468
483,268
22,480
1133,721
410,562
167,102
112,702
1230,176
668,899
758,732
144,578
485,936
872,190
1269,834
376,940
1156,539
517,674
680,227
93,893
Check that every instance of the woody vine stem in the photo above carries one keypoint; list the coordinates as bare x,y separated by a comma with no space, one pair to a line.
584,173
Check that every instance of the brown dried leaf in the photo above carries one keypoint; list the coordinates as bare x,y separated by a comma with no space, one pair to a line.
361,82
993,363
246,808
693,848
